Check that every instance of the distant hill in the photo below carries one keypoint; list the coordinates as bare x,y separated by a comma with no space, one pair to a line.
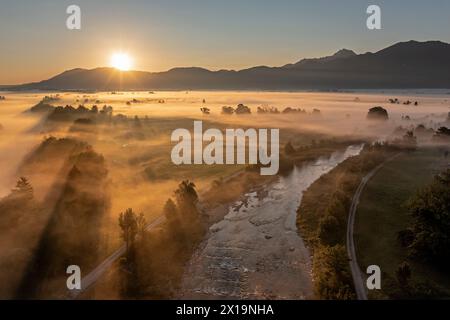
344,53
401,66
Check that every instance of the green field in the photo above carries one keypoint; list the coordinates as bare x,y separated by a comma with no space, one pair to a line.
382,214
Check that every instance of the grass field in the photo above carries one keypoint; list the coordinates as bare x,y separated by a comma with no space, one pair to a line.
322,222
382,214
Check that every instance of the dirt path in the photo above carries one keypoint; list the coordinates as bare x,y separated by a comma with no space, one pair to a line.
89,279
357,275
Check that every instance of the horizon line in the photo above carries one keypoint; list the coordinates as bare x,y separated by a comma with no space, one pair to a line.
218,69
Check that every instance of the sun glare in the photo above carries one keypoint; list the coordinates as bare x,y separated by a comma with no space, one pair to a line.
121,61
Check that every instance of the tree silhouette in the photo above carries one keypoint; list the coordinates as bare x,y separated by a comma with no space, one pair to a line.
170,210
141,224
409,140
403,274
378,113
137,122
23,189
174,224
128,222
186,193
430,210
205,110
186,200
443,131
227,110
242,109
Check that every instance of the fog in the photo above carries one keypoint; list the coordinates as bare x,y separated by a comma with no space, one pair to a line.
136,155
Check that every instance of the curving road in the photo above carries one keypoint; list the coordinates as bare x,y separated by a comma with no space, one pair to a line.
357,275
255,252
96,273
88,280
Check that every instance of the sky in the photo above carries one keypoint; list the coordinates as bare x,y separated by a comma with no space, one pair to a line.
214,34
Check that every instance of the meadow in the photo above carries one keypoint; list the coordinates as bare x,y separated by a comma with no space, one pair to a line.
383,213
132,147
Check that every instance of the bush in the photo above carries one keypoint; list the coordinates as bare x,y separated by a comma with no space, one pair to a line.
332,275
322,221
405,237
329,230
430,209
377,113
242,109
227,110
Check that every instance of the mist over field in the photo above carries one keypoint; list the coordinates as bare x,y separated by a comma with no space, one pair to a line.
92,166
248,151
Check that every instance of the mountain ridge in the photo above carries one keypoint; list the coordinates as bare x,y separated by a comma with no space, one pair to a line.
410,64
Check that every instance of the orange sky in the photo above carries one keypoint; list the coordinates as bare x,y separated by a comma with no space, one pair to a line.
233,34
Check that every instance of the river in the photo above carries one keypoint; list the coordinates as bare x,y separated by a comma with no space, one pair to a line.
255,252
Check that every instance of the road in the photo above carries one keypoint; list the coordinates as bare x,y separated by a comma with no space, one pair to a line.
255,252
358,279
88,280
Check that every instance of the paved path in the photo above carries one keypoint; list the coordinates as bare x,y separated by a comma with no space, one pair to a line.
88,280
255,252
357,276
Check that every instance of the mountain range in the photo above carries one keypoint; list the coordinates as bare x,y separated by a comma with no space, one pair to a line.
403,65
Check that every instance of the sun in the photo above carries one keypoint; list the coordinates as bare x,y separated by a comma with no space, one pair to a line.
121,61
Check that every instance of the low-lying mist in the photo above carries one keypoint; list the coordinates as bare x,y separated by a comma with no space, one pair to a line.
135,151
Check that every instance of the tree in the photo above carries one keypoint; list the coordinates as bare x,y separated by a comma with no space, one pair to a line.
141,224
377,113
186,194
403,274
329,230
442,134
227,110
205,110
174,226
430,210
137,122
128,222
405,237
266,110
242,109
170,210
94,109
186,200
23,189
132,225
409,141
334,280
